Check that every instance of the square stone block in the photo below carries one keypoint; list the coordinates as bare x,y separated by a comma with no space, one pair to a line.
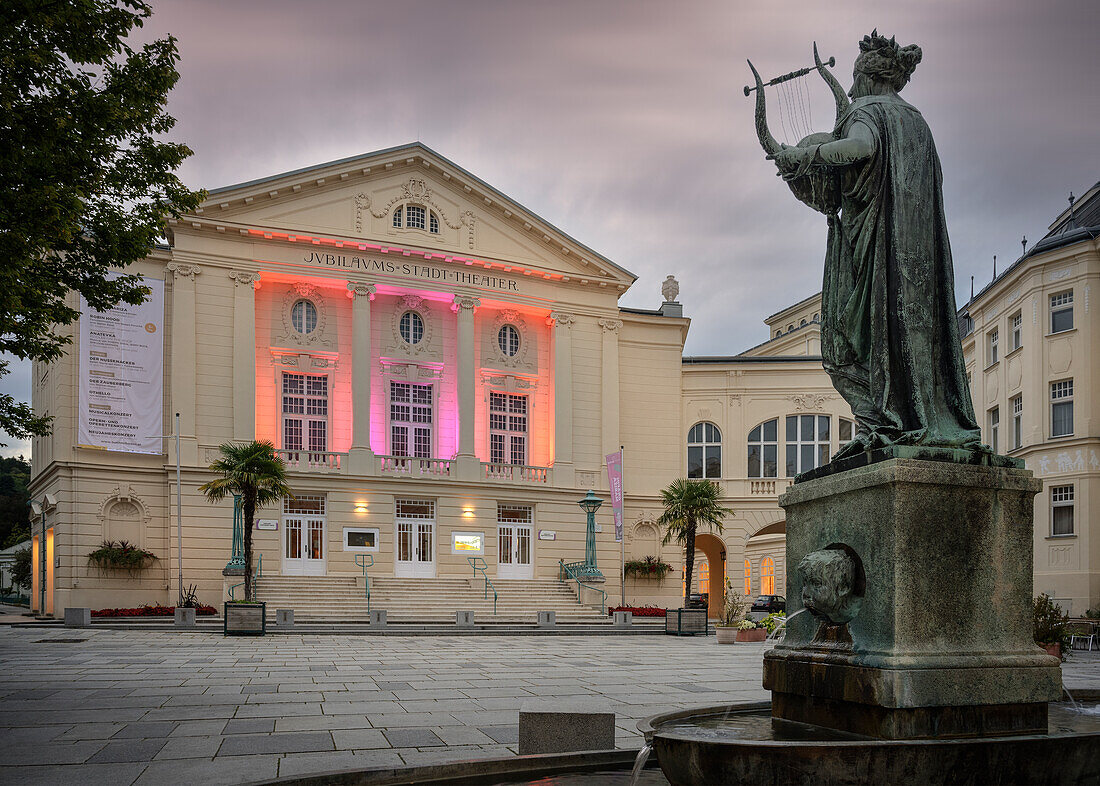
941,642
564,726
547,619
624,619
284,619
378,618
78,618
184,618
464,619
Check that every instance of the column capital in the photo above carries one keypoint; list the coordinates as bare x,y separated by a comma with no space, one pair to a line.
356,289
463,302
245,278
611,325
183,269
560,319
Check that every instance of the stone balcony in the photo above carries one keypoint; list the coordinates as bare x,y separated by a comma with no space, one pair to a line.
301,461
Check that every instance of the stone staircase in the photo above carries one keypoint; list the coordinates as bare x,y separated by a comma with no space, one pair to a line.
340,599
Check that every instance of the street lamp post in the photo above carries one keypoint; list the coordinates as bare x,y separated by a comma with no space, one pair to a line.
590,504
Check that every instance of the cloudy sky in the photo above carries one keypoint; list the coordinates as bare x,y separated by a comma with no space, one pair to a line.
623,122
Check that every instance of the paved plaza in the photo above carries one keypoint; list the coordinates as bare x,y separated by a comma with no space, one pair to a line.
81,706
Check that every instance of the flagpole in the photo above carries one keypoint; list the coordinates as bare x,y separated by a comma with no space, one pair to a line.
622,540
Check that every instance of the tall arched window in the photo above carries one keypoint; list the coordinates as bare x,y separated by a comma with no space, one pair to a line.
764,450
748,579
767,576
704,451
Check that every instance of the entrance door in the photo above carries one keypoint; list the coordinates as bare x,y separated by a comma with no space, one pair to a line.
414,525
305,546
514,551
415,549
304,536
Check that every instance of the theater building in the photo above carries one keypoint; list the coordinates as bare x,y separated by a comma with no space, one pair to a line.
443,373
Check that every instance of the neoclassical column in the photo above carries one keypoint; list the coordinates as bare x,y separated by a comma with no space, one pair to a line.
464,307
610,385
563,397
245,284
361,295
184,357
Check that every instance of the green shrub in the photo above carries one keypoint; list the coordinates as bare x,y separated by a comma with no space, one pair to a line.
1050,623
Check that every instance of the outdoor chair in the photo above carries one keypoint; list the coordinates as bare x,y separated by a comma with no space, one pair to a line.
1084,633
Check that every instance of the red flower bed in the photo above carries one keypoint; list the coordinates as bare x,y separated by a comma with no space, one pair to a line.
151,611
639,611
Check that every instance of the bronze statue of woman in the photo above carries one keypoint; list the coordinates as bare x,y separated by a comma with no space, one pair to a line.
889,335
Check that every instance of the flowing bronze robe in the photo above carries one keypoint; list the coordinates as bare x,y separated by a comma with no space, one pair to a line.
890,337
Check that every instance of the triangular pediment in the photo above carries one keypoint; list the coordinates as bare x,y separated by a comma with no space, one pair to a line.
355,200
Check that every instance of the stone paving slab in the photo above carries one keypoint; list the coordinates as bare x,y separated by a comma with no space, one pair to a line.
160,707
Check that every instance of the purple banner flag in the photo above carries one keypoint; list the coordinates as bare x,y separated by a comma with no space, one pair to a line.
615,483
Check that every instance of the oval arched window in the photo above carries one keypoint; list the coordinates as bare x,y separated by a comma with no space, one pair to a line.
303,316
411,328
508,340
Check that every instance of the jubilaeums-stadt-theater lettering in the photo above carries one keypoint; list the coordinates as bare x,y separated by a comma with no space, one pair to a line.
443,372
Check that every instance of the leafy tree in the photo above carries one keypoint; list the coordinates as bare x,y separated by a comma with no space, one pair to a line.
15,475
21,569
87,184
255,472
688,505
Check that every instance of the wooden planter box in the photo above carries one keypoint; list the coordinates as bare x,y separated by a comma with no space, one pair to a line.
754,634
244,619
686,622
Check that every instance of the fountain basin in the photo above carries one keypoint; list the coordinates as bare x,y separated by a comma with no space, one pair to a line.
742,743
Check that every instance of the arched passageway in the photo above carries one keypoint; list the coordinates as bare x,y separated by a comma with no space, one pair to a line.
715,551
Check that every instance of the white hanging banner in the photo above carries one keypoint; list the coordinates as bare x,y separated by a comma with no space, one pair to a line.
122,374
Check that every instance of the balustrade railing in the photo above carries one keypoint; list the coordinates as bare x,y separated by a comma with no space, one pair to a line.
415,467
309,461
522,473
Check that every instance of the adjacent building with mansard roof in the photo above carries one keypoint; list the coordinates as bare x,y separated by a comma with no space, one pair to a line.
443,372
1032,344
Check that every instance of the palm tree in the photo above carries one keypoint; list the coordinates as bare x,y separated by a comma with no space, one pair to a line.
690,504
256,473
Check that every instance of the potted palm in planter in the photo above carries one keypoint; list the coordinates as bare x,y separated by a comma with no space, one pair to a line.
1051,626
254,472
689,504
734,611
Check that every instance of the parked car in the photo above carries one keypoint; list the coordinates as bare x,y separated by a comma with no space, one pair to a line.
769,604
699,600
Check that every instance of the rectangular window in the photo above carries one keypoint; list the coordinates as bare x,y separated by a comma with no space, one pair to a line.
1061,510
1018,421
1061,408
359,539
807,442
507,428
846,431
994,429
305,412
414,217
1017,331
1061,312
994,338
410,420
763,444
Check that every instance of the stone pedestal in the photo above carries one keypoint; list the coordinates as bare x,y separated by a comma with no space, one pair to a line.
564,726
941,641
